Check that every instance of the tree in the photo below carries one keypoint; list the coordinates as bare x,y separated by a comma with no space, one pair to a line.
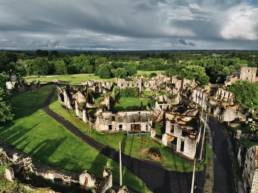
197,73
61,67
191,72
131,69
40,66
246,93
120,73
104,71
5,107
7,62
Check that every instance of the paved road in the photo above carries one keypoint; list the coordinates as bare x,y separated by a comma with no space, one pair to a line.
158,179
223,180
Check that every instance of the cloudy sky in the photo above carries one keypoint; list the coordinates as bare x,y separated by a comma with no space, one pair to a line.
128,24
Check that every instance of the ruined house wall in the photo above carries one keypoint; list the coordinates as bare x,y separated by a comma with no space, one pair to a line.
189,144
224,96
200,97
248,74
189,147
119,122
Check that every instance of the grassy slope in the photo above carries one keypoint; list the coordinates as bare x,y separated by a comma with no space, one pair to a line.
133,145
37,134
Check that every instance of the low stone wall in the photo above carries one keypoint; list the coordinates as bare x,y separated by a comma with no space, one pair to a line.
21,164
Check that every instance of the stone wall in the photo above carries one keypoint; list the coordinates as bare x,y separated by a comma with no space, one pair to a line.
124,121
247,160
174,132
248,74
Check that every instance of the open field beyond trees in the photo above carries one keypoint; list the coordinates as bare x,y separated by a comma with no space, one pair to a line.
77,78
71,79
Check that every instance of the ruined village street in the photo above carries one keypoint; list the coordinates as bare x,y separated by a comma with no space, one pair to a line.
223,180
158,179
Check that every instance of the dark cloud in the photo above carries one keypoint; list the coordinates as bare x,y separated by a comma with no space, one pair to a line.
186,43
129,24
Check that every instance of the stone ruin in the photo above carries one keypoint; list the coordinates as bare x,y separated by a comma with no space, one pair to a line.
21,164
215,100
245,74
182,131
134,121
248,161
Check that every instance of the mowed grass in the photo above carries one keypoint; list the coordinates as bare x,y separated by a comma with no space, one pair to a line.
40,136
134,146
69,78
130,103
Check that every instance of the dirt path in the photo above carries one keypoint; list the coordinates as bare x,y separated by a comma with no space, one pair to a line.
158,179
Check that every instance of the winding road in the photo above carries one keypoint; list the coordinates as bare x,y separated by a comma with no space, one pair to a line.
157,178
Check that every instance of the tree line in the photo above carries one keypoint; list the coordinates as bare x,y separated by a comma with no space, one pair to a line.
203,66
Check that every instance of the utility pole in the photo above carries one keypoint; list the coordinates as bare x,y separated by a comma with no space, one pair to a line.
120,165
203,137
193,177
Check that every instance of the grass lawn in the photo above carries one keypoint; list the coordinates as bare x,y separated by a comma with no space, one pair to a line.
131,103
37,134
132,145
69,78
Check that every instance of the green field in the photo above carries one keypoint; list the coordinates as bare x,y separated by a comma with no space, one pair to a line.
131,103
71,78
132,145
37,134
76,78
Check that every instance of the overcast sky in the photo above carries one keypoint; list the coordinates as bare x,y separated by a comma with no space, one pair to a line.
128,24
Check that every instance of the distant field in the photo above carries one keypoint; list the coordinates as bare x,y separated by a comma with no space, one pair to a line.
69,78
37,134
76,78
